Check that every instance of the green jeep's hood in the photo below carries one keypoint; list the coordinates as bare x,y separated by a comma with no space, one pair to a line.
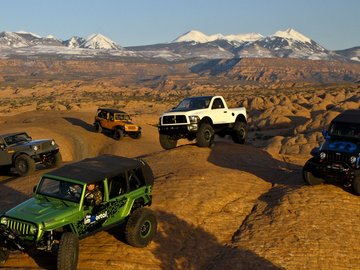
38,210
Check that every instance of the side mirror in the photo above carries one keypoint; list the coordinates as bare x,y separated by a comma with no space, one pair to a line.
325,133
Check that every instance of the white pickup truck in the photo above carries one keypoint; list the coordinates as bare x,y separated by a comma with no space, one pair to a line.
200,118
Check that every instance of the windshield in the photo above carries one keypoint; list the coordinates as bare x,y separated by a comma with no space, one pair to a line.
17,138
345,129
60,189
194,103
122,117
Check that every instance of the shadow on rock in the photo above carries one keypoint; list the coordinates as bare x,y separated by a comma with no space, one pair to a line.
284,176
10,197
80,123
181,245
257,162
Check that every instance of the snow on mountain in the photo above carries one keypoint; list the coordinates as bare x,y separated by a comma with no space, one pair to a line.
74,42
292,35
28,34
98,41
199,37
11,39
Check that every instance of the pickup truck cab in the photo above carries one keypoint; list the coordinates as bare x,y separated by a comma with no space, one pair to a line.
201,118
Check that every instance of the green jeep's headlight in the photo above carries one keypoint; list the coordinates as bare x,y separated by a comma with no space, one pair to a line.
4,221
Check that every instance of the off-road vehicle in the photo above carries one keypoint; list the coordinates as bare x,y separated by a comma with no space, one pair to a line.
59,213
338,157
19,150
200,118
117,123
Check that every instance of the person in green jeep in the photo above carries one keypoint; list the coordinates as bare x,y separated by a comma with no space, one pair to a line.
93,195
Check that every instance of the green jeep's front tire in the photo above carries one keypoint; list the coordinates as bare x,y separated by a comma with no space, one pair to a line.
24,165
68,253
4,255
141,227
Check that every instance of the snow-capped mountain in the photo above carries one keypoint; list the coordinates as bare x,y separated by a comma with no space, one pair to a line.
74,42
99,41
288,43
351,53
11,39
195,36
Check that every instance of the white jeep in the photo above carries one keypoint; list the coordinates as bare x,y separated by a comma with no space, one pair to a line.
200,118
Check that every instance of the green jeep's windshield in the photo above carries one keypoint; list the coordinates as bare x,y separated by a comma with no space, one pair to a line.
17,138
60,189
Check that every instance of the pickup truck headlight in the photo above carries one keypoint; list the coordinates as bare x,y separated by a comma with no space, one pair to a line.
194,118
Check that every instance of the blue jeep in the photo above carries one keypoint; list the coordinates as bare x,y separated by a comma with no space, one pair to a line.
338,158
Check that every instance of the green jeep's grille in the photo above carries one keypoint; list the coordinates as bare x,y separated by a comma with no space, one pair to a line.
21,228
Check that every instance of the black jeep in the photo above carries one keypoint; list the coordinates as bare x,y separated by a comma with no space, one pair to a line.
338,158
20,151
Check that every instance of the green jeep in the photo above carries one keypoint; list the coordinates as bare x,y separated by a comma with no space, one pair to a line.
59,213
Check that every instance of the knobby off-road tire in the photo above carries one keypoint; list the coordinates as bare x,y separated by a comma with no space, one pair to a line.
68,253
54,161
24,165
135,135
141,227
5,169
167,142
4,255
205,135
239,132
309,177
118,134
98,127
356,183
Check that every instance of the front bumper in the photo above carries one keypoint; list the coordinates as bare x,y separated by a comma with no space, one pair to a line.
332,170
178,129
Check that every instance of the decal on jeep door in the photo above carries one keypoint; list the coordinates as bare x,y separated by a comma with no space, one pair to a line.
95,220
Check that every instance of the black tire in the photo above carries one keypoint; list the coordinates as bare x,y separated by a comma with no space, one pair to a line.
135,135
205,135
308,175
239,132
54,161
24,165
68,253
98,127
167,142
4,255
4,170
141,227
118,134
356,183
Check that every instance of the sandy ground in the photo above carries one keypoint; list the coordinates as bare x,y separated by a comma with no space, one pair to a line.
226,207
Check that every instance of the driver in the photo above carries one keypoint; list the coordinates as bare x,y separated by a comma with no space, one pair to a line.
93,195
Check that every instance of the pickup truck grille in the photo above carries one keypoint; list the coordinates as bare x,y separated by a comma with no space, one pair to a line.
174,119
21,228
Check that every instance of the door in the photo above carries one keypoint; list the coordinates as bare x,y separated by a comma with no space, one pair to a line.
219,113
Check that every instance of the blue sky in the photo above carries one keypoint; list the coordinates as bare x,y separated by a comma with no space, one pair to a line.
332,23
